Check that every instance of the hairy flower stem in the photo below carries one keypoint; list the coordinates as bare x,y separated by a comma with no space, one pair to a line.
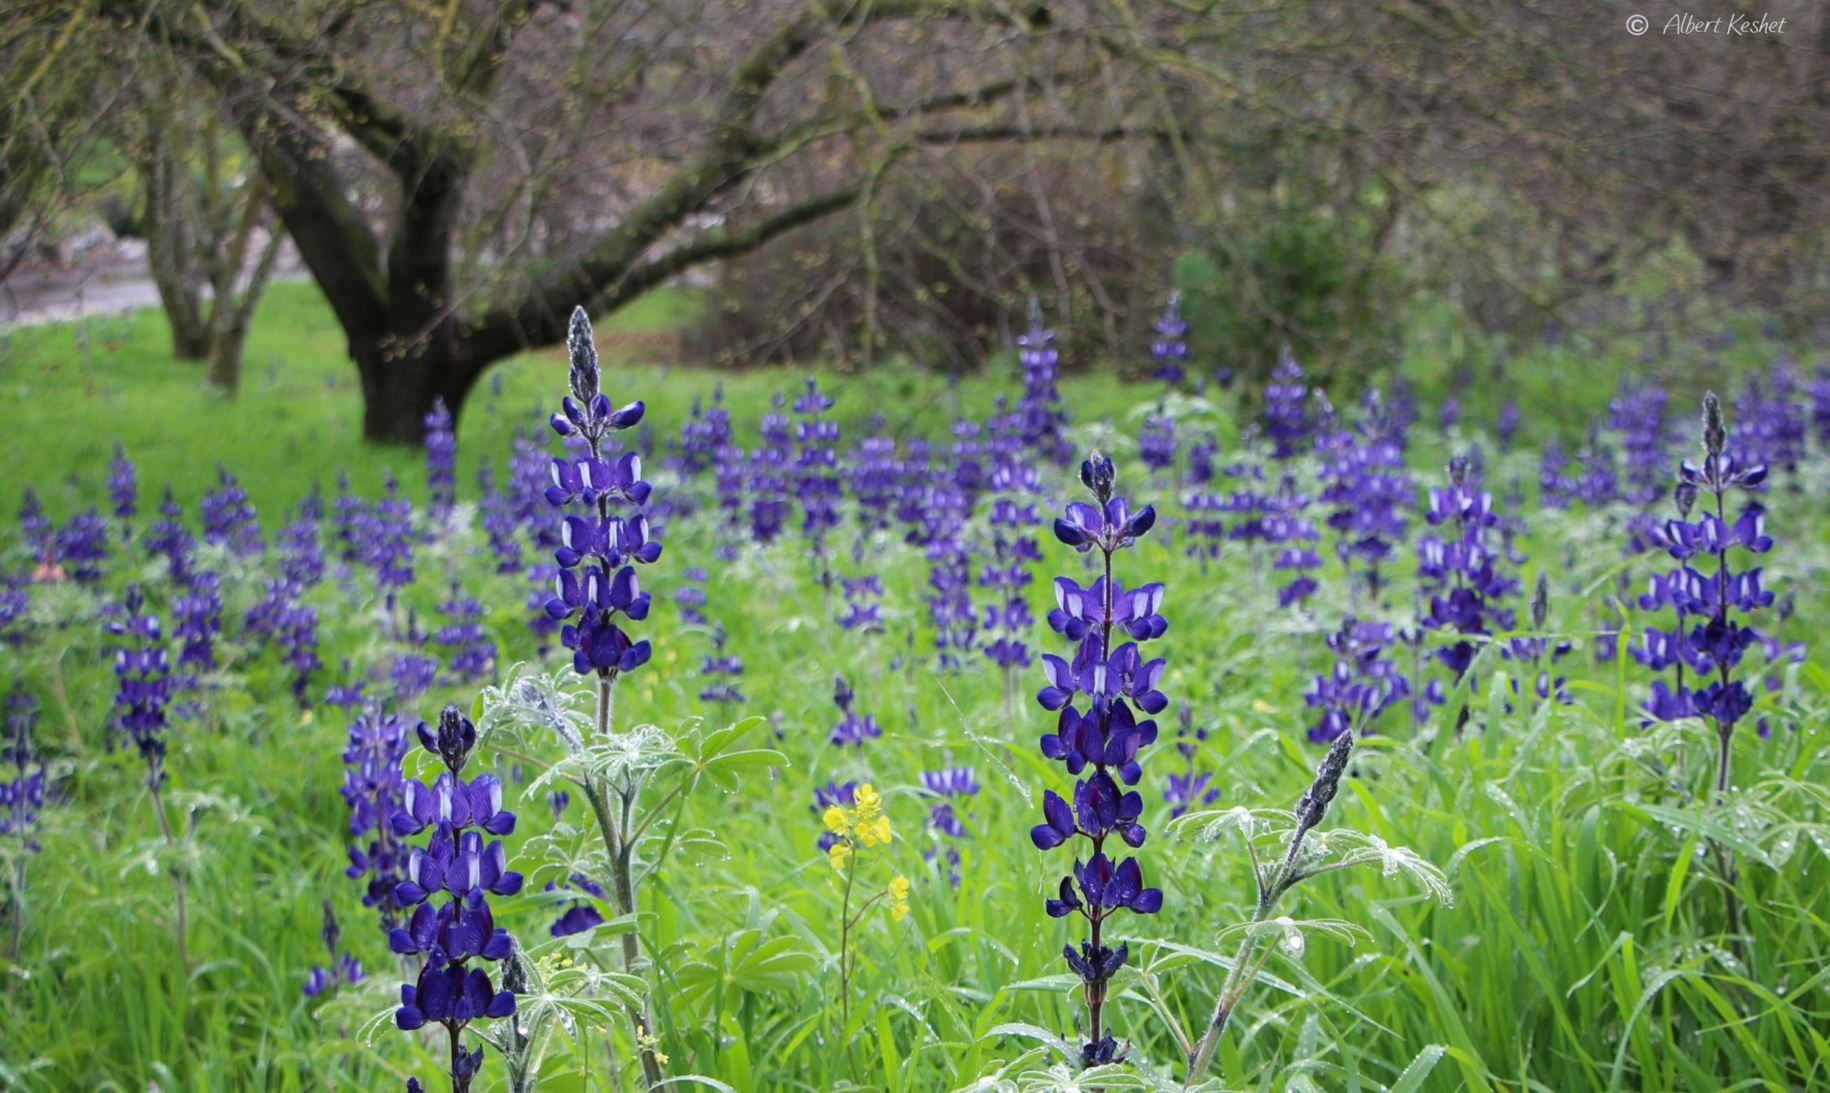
1010,700
622,886
1238,977
16,902
1271,887
460,1082
1725,855
845,923
180,926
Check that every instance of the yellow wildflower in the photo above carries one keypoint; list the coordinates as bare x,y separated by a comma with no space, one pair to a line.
899,898
836,822
869,802
876,833
839,852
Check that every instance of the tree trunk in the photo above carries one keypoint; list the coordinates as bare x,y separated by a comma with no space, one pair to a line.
398,390
225,359
171,247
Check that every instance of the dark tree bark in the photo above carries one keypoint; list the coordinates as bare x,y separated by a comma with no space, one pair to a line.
411,340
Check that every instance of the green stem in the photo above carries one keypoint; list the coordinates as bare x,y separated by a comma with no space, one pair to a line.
621,885
179,917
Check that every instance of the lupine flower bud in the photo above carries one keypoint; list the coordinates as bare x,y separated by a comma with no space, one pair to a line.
1715,432
583,354
1685,497
1315,800
456,736
1098,475
1540,602
1458,471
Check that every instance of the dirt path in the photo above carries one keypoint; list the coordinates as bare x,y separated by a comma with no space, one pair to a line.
46,294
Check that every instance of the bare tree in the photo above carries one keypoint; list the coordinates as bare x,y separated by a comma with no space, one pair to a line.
518,159
211,241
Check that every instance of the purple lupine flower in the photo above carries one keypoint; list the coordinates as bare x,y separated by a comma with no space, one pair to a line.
1006,575
598,551
1715,646
1156,441
1508,426
143,673
21,719
452,988
1286,414
875,475
1368,490
1818,392
1637,413
496,512
169,539
1040,407
441,460
1201,456
1250,506
1540,652
581,914
769,476
1557,489
469,653
410,675
297,638
26,792
81,546
1461,577
690,596
34,524
970,474
1770,427
301,555
374,790
704,433
729,479
1286,525
951,785
1599,484
721,671
343,969
1361,685
817,484
1184,791
863,604
1170,348
852,730
1193,786
949,573
1449,415
123,487
196,624
229,519
385,536
1103,740
1203,508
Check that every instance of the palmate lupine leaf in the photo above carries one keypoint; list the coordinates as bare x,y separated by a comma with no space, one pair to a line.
745,963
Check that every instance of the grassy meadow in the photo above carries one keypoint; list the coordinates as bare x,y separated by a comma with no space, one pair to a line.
1583,944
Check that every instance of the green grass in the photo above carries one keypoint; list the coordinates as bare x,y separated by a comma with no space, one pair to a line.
1584,948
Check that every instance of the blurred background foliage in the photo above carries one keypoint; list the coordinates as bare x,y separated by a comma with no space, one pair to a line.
890,183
